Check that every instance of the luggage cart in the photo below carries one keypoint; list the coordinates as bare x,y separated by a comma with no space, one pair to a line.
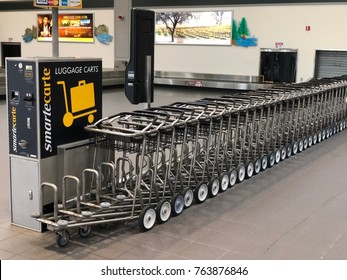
174,139
247,164
133,196
82,102
197,171
170,156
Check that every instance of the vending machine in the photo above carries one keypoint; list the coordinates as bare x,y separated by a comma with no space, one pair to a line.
50,101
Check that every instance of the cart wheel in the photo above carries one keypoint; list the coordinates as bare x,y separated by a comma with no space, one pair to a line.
35,215
319,136
314,139
323,134
241,173
264,161
68,119
223,182
300,145
63,238
334,130
295,148
310,141
277,156
341,126
147,218
331,130
84,231
213,187
232,177
305,143
200,192
289,150
105,205
344,124
90,118
177,204
283,153
271,159
257,166
249,169
62,223
86,214
163,211
188,196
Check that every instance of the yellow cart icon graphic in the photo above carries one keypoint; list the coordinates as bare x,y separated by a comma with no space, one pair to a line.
82,99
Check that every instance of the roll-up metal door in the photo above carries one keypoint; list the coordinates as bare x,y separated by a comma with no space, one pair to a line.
330,63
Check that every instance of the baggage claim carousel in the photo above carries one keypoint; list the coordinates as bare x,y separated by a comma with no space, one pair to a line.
111,77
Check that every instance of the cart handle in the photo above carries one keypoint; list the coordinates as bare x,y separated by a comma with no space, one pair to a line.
150,113
179,109
81,83
65,95
177,117
55,199
78,191
124,114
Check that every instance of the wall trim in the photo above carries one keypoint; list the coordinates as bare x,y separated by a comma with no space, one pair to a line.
28,5
179,3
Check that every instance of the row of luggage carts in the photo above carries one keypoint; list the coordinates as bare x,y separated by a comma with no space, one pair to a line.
166,158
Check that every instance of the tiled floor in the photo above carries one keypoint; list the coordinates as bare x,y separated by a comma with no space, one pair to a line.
295,210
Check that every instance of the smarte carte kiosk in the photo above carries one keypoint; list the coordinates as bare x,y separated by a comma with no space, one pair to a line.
50,101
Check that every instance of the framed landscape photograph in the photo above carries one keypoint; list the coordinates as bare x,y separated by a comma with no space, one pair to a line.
194,28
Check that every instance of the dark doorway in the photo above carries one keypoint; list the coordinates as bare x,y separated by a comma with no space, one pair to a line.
10,49
278,65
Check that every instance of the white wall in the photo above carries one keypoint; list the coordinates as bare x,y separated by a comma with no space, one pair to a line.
270,24
13,25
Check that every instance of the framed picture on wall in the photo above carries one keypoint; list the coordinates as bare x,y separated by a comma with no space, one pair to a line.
194,28
72,28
